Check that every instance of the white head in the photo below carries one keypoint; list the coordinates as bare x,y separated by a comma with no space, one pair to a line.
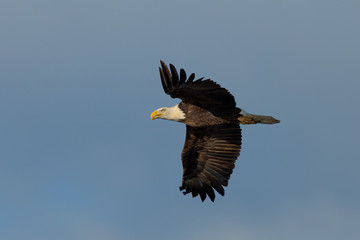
169,113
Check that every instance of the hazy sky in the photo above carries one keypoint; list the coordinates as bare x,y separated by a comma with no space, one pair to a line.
81,159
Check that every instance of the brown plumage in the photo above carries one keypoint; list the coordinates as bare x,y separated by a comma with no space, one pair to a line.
208,158
213,134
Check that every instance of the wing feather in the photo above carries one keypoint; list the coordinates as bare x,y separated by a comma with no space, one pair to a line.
208,159
175,76
167,76
191,78
163,81
204,93
182,76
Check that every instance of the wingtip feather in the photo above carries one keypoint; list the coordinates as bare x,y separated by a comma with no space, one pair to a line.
174,75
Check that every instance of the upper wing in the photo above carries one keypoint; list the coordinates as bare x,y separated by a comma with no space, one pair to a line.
208,159
203,93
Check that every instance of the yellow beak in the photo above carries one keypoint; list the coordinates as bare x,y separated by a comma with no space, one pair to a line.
155,115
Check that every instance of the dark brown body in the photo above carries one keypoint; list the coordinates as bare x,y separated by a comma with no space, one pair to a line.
196,116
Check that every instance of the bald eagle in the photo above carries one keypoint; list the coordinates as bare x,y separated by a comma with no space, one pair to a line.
213,134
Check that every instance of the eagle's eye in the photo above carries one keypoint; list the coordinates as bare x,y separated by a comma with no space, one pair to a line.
162,110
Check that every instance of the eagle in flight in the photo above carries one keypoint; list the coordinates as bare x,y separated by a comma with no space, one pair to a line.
213,134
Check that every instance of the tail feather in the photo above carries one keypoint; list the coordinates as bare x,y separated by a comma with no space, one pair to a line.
247,118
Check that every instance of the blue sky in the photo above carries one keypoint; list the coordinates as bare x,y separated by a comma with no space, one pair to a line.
81,159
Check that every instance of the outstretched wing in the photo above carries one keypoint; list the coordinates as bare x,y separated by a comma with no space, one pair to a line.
204,93
208,159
